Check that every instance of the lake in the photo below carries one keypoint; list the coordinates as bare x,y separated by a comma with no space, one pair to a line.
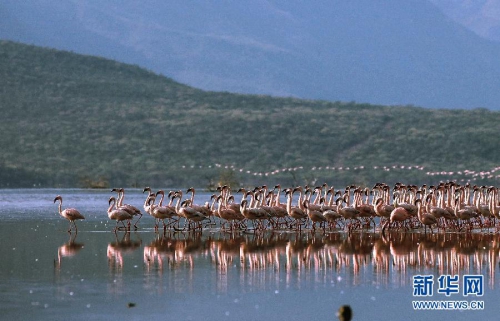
48,274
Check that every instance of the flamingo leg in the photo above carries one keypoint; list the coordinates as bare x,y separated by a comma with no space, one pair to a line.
135,224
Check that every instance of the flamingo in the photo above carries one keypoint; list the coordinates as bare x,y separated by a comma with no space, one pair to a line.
427,219
410,208
348,212
383,210
161,212
228,214
183,209
294,212
399,214
71,214
148,206
332,217
437,211
117,214
314,215
464,213
277,197
482,205
494,208
278,209
307,196
269,209
205,209
366,210
328,205
225,193
132,210
252,214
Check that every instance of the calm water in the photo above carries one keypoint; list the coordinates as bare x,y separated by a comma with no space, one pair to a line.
48,274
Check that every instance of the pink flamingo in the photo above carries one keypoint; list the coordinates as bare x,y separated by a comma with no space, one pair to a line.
71,214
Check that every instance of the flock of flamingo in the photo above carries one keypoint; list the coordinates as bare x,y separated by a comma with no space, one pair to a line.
445,207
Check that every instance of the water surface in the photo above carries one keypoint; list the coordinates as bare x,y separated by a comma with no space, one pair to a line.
48,274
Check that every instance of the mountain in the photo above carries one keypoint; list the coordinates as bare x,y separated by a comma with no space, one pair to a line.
480,16
380,52
77,120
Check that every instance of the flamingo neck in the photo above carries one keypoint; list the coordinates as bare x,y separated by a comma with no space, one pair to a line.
178,204
121,195
289,202
110,208
160,203
219,209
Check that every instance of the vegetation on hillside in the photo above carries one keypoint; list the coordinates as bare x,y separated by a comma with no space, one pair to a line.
72,120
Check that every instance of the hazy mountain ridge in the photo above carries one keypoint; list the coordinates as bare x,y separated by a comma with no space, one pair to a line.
481,16
69,119
387,53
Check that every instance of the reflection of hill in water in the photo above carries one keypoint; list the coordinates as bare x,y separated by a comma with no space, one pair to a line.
293,253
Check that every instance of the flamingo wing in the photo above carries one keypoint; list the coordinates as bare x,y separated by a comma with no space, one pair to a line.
73,214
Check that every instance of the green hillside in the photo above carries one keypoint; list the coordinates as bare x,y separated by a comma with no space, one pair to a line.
74,120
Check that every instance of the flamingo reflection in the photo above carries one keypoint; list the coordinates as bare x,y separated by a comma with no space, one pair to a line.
174,250
263,256
67,250
117,249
